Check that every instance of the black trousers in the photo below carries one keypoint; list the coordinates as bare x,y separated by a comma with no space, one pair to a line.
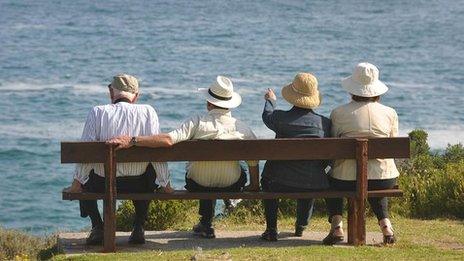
207,206
142,183
304,207
379,205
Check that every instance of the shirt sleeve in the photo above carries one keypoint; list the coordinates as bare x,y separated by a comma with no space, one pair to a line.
88,134
186,131
161,168
249,135
394,129
269,115
333,128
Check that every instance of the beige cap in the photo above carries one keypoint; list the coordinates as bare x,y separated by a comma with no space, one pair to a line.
303,91
125,83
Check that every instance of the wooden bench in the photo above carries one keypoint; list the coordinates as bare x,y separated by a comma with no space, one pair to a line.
216,150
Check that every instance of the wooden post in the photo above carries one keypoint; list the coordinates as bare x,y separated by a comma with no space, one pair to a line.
109,202
361,191
352,221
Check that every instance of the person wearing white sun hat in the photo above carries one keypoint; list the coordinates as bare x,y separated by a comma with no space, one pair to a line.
219,124
364,116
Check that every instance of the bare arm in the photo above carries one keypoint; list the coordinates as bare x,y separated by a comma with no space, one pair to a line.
254,178
154,141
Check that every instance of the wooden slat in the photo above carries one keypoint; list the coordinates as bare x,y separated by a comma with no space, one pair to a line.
182,194
389,148
361,191
276,149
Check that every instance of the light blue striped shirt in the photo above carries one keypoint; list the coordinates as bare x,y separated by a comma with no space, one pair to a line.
108,121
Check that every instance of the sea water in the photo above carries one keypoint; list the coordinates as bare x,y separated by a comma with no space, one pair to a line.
57,57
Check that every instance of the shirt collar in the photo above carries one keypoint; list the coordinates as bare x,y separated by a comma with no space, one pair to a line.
220,112
295,108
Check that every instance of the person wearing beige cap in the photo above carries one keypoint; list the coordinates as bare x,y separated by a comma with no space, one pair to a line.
121,117
300,175
216,124
364,116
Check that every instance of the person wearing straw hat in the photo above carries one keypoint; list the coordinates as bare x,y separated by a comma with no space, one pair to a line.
364,116
217,123
296,175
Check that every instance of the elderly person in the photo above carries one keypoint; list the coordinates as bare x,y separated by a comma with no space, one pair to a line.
296,175
121,117
216,124
364,116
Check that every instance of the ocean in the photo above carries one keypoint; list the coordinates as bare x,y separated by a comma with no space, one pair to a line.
57,57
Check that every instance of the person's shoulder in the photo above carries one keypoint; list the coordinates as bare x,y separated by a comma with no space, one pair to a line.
386,108
339,109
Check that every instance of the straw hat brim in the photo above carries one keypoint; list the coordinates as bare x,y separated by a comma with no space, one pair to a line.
301,100
234,102
376,88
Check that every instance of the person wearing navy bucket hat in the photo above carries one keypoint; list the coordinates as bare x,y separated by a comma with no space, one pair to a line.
364,116
216,124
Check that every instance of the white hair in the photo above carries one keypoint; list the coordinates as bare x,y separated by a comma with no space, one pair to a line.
117,94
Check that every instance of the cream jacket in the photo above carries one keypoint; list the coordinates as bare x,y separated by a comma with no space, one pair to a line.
217,124
364,119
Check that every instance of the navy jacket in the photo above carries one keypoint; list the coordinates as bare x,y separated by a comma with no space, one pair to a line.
296,123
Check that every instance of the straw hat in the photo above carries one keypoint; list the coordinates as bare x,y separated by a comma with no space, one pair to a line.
221,93
364,81
303,92
125,83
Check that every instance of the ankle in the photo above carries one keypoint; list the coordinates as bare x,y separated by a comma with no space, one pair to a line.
386,227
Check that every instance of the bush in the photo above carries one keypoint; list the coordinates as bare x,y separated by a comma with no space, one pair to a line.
21,246
162,214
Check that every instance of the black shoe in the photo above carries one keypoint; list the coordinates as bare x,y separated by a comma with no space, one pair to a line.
137,236
203,231
299,230
388,240
269,235
95,237
331,239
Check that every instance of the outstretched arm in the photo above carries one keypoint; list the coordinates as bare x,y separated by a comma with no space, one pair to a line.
254,178
154,141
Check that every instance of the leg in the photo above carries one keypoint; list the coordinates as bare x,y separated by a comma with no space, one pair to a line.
141,212
304,211
206,212
270,211
90,208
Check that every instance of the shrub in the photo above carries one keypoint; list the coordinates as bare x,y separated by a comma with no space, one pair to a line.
19,245
162,214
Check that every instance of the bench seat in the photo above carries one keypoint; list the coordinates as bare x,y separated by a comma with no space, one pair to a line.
183,194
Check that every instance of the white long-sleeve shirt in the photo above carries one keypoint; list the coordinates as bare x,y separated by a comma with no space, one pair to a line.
108,121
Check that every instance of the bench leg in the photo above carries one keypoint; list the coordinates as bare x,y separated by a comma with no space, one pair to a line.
361,216
109,216
352,221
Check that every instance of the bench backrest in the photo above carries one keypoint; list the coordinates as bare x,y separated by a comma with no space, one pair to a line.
216,150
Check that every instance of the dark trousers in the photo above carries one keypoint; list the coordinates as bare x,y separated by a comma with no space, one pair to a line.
140,184
207,206
304,207
379,205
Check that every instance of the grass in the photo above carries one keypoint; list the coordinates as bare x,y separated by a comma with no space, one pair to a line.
437,239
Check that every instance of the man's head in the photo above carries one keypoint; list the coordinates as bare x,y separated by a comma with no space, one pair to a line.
124,86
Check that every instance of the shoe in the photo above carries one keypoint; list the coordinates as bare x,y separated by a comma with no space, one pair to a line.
389,239
95,237
269,235
332,239
203,231
137,236
299,230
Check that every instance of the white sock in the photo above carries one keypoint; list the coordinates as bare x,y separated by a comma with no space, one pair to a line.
337,221
386,227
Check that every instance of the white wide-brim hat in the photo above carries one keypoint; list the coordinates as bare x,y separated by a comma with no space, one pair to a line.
221,93
364,81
